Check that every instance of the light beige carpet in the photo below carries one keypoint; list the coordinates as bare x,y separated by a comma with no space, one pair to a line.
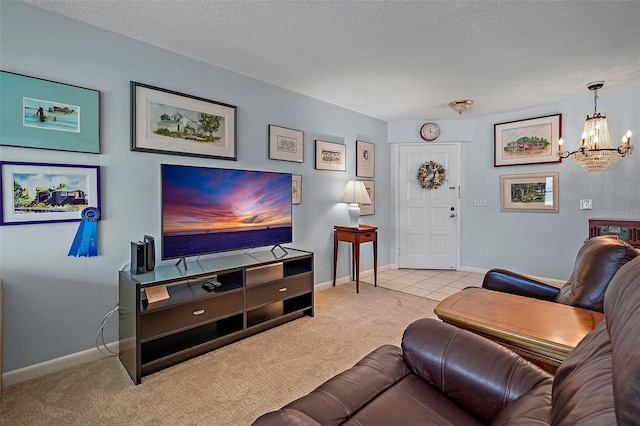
232,385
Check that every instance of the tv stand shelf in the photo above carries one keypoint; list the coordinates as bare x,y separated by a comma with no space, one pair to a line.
260,290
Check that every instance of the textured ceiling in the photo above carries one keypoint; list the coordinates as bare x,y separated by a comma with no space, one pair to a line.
395,60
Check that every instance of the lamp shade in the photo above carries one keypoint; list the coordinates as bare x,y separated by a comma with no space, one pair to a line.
355,192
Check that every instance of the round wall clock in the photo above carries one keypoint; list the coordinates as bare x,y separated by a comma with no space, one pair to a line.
429,132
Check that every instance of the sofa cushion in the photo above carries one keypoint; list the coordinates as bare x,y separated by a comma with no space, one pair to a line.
343,395
412,402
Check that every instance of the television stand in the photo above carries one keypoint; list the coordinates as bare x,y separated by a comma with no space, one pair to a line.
280,247
258,292
183,260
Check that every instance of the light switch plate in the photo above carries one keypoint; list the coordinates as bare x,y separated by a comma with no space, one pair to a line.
479,202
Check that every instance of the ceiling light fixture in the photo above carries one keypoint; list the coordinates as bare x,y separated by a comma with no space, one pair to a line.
596,152
461,105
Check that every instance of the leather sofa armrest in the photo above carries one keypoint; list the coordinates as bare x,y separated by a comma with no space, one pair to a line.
511,282
478,374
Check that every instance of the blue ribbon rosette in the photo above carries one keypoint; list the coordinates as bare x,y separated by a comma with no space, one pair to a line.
85,242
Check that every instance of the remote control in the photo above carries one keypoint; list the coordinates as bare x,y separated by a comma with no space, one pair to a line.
211,285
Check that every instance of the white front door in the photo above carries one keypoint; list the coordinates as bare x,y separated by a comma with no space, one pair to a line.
427,219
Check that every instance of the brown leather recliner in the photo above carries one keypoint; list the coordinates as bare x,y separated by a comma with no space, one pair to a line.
596,263
447,376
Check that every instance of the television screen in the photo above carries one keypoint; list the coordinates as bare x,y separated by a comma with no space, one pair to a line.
209,210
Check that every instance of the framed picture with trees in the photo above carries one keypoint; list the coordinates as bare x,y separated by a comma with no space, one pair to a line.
530,141
168,122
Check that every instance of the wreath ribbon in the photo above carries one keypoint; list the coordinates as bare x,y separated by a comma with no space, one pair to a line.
85,243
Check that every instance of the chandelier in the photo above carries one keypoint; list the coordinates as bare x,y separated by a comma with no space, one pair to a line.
596,152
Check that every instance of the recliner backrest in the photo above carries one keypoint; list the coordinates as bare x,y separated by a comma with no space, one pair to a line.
597,384
597,261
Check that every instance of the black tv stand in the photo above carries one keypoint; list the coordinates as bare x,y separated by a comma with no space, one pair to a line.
258,291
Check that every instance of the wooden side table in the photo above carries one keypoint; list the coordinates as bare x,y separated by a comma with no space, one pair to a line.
543,332
356,236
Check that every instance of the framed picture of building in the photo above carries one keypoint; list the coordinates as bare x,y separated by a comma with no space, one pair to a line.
286,144
37,113
44,193
168,122
530,141
330,156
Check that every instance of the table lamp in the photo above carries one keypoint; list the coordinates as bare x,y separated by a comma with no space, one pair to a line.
355,193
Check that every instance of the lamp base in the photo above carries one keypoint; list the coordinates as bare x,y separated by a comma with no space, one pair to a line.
354,214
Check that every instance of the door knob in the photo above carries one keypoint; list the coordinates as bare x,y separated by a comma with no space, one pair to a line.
452,215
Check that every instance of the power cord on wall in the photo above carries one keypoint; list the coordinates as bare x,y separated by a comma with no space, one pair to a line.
100,335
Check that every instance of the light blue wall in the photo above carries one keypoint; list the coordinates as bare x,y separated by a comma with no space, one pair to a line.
541,244
545,244
54,303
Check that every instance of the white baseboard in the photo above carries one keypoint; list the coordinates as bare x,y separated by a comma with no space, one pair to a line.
53,365
344,280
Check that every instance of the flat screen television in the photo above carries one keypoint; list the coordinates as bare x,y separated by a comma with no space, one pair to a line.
210,210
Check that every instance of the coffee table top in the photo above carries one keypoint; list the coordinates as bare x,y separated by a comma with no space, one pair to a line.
546,328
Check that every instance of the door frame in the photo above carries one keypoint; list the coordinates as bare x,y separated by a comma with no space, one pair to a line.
395,161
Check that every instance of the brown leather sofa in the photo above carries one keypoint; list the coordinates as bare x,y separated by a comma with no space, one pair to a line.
448,376
596,263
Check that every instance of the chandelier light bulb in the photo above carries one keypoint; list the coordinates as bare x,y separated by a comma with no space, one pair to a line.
629,134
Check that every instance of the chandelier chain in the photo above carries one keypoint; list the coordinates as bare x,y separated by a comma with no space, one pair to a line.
595,102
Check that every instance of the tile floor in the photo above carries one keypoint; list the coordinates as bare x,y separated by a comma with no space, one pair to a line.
428,283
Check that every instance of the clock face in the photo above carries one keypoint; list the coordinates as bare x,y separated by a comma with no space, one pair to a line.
429,131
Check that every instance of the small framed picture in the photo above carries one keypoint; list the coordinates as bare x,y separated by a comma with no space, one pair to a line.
533,192
530,141
168,122
44,193
330,156
286,144
36,113
365,159
369,209
296,189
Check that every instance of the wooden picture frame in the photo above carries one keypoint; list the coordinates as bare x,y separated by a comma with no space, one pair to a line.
168,122
296,189
286,144
369,209
37,113
331,156
45,193
533,192
365,159
530,141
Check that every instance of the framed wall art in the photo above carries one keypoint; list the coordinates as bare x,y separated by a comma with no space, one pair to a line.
534,192
296,189
44,193
369,209
286,144
530,141
365,159
168,122
330,156
37,113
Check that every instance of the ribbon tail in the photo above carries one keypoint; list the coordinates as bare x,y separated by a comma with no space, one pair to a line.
89,235
75,245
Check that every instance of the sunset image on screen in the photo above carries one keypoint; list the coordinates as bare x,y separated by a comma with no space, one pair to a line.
201,204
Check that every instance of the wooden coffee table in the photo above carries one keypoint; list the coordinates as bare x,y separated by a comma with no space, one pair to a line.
543,332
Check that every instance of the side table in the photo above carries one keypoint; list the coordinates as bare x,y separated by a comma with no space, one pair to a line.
356,236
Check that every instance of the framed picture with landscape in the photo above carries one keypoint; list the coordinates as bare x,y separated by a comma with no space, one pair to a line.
37,113
533,192
167,122
530,141
44,193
